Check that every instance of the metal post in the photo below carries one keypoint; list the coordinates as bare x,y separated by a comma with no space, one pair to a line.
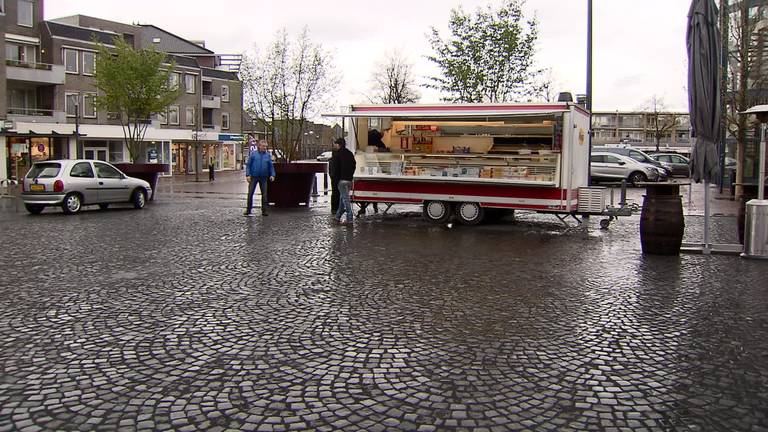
761,179
589,86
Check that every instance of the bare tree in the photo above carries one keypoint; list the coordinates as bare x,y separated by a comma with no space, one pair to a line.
393,81
746,75
286,85
543,87
661,121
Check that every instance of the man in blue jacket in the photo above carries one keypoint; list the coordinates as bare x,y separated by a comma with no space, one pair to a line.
258,169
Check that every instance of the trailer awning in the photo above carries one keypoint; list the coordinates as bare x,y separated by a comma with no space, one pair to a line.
469,111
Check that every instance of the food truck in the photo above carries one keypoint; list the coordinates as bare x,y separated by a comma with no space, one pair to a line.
465,159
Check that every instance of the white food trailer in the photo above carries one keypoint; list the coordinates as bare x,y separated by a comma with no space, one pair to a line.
464,159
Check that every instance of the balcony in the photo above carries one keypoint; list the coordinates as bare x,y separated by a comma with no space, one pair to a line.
36,73
34,115
211,128
210,101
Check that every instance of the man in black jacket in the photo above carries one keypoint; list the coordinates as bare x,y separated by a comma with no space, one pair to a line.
343,170
334,181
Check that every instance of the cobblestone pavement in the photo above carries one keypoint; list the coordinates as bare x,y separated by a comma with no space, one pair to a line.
188,316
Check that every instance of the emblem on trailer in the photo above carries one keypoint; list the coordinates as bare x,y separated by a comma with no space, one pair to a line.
581,136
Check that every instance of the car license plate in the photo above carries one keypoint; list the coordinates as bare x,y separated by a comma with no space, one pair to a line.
37,187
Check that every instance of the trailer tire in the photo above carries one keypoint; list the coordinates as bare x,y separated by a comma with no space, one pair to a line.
469,213
437,211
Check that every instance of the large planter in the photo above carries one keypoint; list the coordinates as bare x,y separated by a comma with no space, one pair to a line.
148,172
293,183
661,220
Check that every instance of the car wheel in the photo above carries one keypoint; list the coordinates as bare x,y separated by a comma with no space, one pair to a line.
72,203
469,213
104,206
34,208
637,177
437,211
139,199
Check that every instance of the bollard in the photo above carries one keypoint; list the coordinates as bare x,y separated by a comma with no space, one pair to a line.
325,183
314,188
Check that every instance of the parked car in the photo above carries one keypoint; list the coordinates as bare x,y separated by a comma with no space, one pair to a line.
678,165
615,167
635,154
324,156
74,183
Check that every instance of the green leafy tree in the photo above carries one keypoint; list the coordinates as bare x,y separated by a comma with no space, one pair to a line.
488,56
134,84
285,85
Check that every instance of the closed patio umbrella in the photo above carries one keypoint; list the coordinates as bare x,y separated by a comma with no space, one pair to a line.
703,42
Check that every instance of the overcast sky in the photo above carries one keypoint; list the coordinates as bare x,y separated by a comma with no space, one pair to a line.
638,45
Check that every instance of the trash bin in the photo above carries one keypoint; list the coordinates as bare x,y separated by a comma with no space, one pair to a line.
756,230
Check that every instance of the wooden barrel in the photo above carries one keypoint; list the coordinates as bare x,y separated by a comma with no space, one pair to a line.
661,221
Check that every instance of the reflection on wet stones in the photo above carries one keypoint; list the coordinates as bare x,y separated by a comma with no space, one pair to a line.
192,318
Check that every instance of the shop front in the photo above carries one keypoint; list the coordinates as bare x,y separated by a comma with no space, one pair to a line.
24,150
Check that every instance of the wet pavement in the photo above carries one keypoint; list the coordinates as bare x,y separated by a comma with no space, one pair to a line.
188,316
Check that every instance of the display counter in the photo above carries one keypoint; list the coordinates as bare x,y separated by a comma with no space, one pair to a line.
524,167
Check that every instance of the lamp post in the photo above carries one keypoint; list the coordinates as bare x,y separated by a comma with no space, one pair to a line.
761,111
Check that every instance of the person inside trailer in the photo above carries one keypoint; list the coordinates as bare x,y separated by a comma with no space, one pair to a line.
374,140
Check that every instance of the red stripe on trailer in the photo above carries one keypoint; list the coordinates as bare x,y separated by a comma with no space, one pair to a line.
458,107
486,190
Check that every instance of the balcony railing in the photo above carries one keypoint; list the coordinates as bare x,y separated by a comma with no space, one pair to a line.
34,72
210,101
29,65
36,115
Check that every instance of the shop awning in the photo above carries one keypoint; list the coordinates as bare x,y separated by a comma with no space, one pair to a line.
42,129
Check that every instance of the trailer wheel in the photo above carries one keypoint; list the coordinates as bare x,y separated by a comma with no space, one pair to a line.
469,213
605,223
437,211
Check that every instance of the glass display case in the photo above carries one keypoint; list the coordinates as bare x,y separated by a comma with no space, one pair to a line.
525,167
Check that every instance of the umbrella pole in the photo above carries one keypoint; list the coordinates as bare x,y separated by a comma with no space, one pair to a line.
706,250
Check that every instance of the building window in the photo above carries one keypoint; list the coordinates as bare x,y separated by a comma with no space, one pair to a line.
162,116
225,93
225,120
173,80
190,116
26,13
173,114
89,62
70,61
89,105
189,83
70,104
2,6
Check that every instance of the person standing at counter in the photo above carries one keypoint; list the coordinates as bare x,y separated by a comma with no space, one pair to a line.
344,171
334,181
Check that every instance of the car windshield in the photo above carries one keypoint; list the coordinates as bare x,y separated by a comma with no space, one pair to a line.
44,170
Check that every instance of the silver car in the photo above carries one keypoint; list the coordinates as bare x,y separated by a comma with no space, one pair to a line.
74,183
612,166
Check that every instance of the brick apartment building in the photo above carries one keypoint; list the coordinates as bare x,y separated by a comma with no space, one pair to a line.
48,110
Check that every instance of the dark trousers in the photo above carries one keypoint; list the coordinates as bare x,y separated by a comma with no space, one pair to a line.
211,171
262,182
334,195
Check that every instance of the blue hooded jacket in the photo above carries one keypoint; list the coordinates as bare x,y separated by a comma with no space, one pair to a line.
259,165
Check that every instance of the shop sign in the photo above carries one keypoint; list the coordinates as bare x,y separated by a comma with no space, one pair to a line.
231,137
41,148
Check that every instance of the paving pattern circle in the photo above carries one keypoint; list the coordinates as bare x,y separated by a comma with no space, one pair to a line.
187,316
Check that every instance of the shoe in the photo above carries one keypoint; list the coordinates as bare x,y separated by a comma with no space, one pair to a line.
246,213
264,213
